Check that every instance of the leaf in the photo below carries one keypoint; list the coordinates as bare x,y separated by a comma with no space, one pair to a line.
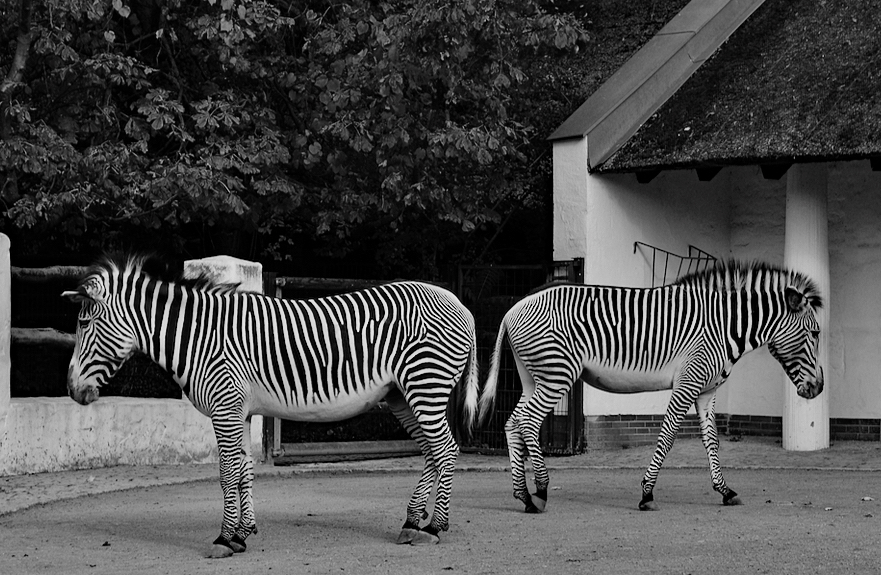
121,8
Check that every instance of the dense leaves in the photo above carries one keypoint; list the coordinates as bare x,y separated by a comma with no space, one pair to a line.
321,126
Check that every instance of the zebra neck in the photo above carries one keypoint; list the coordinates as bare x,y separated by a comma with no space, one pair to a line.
750,320
179,325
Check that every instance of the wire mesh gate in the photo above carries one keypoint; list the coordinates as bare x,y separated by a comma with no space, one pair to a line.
489,292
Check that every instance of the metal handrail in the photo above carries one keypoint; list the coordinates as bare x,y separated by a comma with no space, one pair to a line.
696,260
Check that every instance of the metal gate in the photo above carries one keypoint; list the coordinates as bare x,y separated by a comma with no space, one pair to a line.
376,433
489,292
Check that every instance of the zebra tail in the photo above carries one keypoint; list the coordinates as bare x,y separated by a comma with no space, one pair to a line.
472,387
488,397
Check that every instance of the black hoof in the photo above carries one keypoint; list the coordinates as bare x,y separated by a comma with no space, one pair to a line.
647,503
220,548
238,544
408,533
731,498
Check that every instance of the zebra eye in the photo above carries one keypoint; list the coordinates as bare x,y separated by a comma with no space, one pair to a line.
815,333
83,323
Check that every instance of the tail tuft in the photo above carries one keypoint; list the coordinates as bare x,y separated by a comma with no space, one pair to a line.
472,385
488,397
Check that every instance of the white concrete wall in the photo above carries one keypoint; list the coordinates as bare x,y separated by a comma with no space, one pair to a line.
758,208
738,214
600,217
42,434
55,433
249,276
758,218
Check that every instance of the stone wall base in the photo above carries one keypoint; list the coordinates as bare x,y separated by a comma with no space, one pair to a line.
54,434
631,430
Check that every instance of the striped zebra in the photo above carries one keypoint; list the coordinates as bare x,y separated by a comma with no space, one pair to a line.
685,336
238,354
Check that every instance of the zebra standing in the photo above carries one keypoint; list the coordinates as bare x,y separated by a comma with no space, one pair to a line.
238,354
685,336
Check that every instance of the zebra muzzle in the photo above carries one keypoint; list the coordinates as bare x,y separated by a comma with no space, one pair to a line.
810,390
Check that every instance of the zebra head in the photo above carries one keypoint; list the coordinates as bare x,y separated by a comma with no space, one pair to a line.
794,343
104,334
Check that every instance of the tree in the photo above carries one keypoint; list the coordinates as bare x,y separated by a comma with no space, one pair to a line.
317,125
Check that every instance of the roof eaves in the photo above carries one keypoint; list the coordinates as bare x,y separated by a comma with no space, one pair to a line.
616,110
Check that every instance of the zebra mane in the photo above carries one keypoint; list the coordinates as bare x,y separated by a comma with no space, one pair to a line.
157,268
738,276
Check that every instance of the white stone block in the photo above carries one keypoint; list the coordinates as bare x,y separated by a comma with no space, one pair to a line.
249,276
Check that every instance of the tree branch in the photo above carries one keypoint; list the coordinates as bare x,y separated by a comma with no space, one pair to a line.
22,48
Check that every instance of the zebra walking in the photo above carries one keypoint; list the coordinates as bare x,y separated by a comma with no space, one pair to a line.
238,354
685,336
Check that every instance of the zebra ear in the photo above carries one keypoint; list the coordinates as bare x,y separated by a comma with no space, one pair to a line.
795,300
88,291
77,296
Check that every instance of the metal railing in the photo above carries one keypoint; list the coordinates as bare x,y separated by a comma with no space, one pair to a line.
696,260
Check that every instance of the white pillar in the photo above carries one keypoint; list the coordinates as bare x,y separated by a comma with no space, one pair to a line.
249,276
806,421
5,338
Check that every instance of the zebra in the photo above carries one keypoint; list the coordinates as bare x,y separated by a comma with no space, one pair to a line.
685,336
238,354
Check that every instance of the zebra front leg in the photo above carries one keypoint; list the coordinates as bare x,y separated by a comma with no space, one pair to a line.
229,430
247,522
705,405
683,396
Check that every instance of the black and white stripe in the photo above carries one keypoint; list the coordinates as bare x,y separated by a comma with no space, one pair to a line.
685,336
238,354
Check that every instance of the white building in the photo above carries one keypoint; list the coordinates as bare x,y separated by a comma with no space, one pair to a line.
750,130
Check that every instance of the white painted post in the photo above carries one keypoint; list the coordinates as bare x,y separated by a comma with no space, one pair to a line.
806,249
5,337
249,276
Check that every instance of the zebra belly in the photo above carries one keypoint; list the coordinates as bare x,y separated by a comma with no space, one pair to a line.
621,380
343,406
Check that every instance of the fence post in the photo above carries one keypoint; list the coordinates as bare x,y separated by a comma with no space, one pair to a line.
5,336
249,276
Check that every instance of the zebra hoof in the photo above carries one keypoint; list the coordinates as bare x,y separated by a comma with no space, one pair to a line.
424,537
649,505
407,535
218,551
539,503
238,544
732,499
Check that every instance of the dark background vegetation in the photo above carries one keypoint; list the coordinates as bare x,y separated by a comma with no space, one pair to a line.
363,139
359,138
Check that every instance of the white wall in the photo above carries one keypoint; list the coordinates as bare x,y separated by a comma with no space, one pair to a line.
758,218
738,214
852,370
610,213
39,434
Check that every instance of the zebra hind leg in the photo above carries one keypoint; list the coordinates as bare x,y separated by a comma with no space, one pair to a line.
411,531
705,405
534,413
682,398
517,454
444,452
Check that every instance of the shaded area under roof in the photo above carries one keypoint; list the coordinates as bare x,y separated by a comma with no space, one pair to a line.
798,81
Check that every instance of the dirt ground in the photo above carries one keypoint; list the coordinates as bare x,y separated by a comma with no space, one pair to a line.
793,521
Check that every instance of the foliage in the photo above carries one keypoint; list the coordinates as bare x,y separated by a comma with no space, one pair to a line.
313,125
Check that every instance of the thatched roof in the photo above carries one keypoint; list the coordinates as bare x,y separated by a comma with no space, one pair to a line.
800,80
616,29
